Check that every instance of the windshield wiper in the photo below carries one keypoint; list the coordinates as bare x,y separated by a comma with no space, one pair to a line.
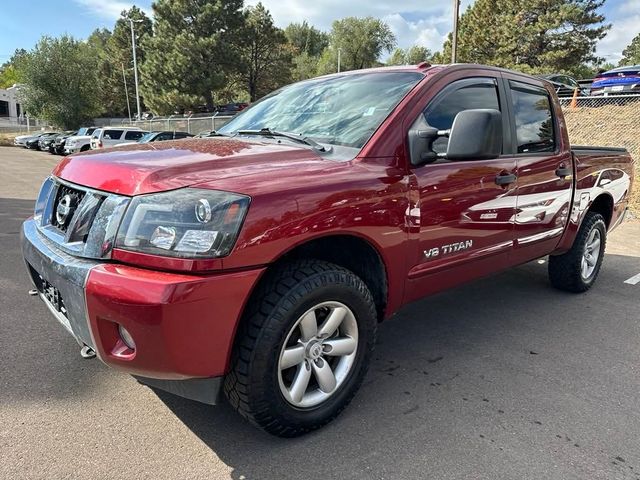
267,132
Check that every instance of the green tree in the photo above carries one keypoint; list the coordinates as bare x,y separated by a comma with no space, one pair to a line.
631,54
194,48
60,82
10,71
307,44
305,38
410,56
535,36
265,53
361,41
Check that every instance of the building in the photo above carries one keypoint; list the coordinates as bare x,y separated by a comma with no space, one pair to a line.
10,108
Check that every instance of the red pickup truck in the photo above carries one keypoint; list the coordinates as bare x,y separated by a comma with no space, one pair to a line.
260,261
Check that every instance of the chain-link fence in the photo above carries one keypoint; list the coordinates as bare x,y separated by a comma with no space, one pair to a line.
194,124
611,121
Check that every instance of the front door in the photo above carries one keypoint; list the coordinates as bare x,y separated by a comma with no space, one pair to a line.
466,208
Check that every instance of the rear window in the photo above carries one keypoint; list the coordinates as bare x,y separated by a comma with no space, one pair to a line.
534,118
133,135
112,134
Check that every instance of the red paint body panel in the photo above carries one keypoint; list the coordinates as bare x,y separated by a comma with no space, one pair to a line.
186,321
183,325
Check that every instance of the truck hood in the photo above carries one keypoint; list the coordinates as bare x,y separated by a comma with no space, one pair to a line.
222,163
75,138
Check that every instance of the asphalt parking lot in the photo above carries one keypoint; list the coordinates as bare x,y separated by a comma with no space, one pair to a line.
502,378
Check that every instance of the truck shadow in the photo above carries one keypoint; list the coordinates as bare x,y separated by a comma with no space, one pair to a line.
444,368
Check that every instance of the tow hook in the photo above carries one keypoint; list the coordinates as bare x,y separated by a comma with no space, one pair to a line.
87,352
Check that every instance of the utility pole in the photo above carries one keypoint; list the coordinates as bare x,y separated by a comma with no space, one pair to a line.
454,34
135,67
339,57
126,92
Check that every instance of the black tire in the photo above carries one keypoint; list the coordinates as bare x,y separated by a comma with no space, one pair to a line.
84,148
252,385
565,271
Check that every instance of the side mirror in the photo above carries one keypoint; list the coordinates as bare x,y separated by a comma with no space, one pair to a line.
475,135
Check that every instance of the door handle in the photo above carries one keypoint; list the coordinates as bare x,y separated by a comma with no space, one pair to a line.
563,171
505,178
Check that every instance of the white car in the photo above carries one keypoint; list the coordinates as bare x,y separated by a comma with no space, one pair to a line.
109,137
21,140
79,142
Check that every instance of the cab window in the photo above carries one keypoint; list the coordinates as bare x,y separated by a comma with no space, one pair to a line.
462,95
535,130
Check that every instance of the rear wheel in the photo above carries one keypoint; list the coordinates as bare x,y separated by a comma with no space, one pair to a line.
577,270
84,148
303,349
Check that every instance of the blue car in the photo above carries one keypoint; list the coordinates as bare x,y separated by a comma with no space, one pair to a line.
619,81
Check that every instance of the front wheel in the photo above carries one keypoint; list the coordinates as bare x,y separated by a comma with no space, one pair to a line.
303,349
577,270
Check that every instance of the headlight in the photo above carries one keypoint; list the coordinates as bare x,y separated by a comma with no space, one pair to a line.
187,223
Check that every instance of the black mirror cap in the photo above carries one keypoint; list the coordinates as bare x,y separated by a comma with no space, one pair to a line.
475,135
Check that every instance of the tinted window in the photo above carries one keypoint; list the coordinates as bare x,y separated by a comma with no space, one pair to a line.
112,134
533,117
164,136
181,135
133,135
470,95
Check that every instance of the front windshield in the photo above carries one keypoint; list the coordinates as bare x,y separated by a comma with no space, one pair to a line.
340,110
147,137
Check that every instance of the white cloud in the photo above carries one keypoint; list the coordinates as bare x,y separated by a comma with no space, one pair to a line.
110,9
426,23
625,26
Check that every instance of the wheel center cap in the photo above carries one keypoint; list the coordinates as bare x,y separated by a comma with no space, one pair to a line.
314,350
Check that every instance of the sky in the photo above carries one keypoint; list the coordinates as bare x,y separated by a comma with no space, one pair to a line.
425,23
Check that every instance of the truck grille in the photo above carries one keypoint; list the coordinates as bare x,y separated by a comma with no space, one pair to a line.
80,221
65,205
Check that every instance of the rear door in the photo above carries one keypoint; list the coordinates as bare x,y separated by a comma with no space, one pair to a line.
112,137
544,168
465,217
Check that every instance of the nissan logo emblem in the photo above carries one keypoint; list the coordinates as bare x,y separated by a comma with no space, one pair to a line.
65,205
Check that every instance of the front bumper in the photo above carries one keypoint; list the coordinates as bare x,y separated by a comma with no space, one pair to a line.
183,325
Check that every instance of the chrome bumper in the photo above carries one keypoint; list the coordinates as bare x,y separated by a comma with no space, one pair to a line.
66,273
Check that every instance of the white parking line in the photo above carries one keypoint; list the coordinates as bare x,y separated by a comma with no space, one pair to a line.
633,280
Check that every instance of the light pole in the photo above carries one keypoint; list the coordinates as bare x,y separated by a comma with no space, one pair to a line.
135,65
454,34
339,58
126,92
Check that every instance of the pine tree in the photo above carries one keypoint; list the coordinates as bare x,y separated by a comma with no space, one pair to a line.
631,54
265,53
534,36
195,47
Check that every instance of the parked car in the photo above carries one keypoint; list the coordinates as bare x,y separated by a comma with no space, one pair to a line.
34,143
22,140
565,86
158,137
619,81
231,108
260,262
46,140
109,137
80,142
57,146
